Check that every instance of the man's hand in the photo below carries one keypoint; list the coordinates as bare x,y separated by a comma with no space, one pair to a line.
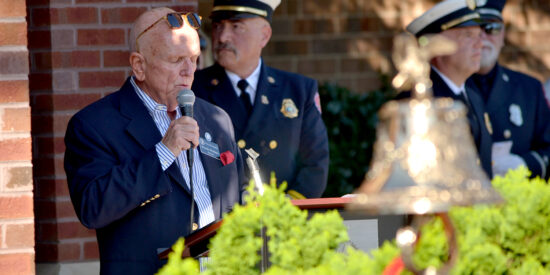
182,134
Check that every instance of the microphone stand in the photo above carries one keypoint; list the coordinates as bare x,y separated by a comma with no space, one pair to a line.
190,161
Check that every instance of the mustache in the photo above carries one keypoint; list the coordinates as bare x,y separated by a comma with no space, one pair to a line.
225,46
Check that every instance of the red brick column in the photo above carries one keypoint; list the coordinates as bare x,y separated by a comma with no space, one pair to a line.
16,197
78,54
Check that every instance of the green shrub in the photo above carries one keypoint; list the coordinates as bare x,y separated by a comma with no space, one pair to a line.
297,245
512,238
351,120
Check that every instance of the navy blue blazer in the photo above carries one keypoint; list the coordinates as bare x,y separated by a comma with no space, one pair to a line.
118,187
531,137
475,115
296,149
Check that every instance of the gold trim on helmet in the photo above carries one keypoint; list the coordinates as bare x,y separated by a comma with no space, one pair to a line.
459,20
241,9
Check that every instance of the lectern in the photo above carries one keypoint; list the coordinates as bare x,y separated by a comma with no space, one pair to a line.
366,232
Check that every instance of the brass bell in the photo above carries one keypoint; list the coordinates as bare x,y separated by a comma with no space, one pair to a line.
424,160
424,157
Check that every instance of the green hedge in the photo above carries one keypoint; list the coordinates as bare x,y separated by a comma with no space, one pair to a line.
351,120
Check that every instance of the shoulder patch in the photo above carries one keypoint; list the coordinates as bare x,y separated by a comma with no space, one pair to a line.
317,100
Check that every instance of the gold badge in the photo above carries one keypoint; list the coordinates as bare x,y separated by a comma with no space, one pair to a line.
471,4
270,79
241,143
215,82
488,123
264,100
507,134
273,144
289,108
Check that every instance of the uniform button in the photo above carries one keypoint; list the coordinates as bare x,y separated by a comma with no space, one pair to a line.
156,196
241,143
147,201
273,144
142,204
195,226
507,134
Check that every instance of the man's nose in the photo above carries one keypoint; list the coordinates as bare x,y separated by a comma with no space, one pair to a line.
188,67
224,33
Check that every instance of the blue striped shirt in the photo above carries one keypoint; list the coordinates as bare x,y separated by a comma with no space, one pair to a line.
202,194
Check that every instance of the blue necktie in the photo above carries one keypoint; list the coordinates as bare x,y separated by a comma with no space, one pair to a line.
245,98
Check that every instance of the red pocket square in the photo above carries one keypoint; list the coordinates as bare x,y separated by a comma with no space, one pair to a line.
227,157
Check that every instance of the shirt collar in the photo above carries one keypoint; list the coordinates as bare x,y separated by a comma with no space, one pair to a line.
252,79
150,104
456,89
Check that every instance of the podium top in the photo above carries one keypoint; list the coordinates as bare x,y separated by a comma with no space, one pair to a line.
196,242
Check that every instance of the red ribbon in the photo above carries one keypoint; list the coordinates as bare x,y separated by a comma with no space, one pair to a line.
227,158
394,267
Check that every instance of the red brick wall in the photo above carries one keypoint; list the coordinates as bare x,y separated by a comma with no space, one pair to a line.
78,53
16,197
349,41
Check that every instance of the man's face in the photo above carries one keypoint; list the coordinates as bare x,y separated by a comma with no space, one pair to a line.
238,43
465,61
493,41
170,64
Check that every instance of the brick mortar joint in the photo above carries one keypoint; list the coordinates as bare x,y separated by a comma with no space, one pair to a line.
15,19
23,221
16,195
8,136
14,105
15,164
5,251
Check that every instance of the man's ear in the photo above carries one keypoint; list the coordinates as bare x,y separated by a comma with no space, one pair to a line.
137,62
266,34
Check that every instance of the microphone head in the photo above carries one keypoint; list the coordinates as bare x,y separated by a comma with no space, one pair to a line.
186,97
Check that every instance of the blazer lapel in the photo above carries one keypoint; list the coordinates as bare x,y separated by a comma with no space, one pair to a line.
267,89
211,169
440,89
223,95
500,92
143,129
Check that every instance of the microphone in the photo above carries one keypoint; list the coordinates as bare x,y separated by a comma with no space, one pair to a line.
186,99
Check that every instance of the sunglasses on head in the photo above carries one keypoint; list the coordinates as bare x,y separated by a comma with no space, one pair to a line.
175,21
493,28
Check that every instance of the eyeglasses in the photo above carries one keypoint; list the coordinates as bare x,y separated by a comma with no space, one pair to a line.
175,21
493,28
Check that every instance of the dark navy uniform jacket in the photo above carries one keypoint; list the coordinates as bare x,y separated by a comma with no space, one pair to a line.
118,187
475,115
296,149
506,93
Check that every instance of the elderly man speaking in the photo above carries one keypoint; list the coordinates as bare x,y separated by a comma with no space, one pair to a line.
126,160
